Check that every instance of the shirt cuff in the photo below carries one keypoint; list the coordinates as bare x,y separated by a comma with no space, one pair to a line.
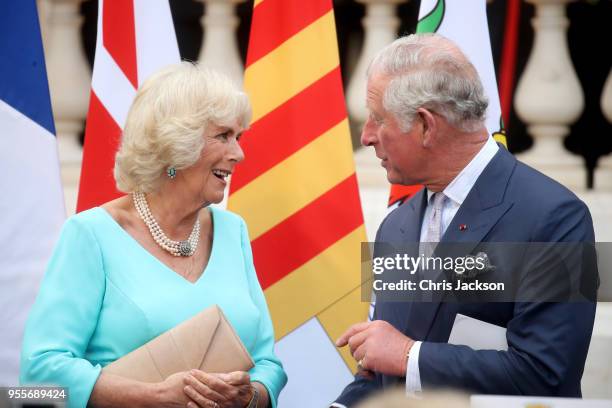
413,377
336,405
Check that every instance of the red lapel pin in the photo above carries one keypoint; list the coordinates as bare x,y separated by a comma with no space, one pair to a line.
462,227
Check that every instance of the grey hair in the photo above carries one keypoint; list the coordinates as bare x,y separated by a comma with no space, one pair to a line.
429,71
166,123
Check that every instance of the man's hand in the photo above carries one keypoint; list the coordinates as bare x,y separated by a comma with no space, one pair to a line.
378,346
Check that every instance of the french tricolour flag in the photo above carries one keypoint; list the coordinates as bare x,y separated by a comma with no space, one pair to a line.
31,199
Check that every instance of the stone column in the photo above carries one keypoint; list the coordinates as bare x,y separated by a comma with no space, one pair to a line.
220,48
603,173
43,7
380,26
69,76
549,97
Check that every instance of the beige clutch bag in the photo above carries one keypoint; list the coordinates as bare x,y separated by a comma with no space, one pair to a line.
206,341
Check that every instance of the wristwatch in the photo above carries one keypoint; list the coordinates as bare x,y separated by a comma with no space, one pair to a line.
254,399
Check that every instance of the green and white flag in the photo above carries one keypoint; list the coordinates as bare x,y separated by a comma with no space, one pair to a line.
465,23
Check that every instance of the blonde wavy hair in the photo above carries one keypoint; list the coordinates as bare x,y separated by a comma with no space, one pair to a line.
167,120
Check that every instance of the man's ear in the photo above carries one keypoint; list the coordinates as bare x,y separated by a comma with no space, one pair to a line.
429,127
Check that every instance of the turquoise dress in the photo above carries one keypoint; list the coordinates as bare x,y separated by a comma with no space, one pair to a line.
104,295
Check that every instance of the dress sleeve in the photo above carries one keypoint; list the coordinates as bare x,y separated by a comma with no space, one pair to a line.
268,369
65,316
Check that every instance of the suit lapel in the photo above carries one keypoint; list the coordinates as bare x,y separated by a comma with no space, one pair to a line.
481,210
410,228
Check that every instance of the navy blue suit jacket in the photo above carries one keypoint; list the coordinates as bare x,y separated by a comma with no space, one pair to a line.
547,342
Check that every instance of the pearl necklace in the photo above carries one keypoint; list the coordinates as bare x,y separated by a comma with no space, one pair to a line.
176,248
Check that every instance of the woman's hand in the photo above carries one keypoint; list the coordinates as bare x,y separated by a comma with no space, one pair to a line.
231,390
115,391
173,392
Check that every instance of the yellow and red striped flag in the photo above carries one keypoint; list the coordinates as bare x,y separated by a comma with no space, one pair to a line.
297,191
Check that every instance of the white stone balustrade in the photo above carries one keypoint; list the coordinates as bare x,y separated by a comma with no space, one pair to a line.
69,85
603,172
220,48
43,8
69,75
549,97
380,26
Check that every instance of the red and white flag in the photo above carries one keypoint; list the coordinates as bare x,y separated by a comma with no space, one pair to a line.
135,38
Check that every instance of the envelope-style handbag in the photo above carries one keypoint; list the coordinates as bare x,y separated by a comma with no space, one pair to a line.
206,342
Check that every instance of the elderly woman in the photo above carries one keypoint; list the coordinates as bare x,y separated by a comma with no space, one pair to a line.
127,271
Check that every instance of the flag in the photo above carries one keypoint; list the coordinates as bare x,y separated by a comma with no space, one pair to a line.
32,203
465,23
508,59
400,193
298,193
135,38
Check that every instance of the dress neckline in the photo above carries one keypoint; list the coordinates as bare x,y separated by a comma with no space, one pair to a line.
213,218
